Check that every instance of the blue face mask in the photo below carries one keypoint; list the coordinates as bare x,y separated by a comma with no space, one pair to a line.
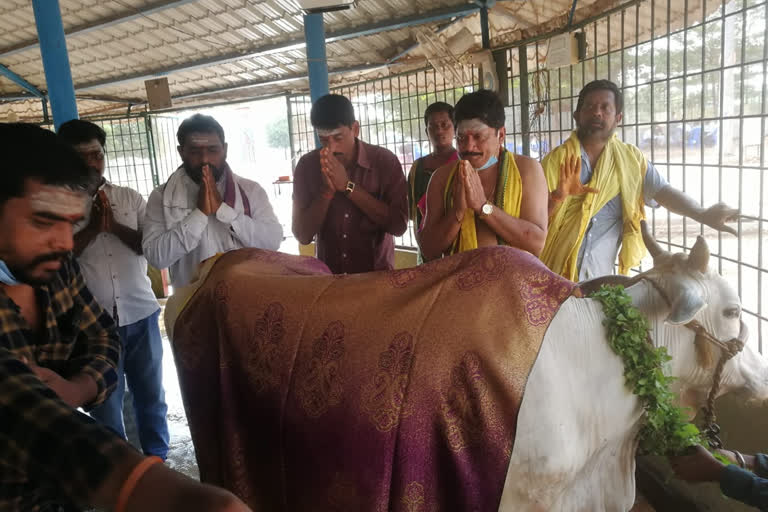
491,161
6,277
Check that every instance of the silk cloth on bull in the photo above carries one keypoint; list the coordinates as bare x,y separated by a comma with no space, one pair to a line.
393,390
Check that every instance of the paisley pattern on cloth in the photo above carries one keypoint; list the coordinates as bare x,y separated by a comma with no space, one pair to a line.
386,391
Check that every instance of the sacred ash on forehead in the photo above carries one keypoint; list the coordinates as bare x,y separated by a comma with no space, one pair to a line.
200,139
328,133
59,200
471,125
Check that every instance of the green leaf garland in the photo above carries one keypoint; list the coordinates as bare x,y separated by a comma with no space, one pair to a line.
665,430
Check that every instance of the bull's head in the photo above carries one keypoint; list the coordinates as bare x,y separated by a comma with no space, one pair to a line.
694,292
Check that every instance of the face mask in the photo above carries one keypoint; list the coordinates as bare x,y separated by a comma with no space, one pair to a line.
491,161
6,277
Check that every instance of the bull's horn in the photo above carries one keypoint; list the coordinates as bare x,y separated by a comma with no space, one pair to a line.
650,243
698,259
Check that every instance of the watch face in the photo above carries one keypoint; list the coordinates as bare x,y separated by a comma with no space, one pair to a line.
487,208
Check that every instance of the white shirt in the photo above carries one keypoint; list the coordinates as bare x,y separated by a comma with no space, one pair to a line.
197,237
113,272
604,232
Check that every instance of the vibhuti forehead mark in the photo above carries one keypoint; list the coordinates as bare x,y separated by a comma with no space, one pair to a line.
328,133
59,201
471,125
88,147
204,140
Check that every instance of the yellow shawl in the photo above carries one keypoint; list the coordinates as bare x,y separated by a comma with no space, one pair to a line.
509,194
619,170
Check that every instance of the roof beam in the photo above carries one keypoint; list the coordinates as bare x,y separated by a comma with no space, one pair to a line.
340,35
276,81
13,77
400,23
83,97
102,23
111,99
207,92
16,97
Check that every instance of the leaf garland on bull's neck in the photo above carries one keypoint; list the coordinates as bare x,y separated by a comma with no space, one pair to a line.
665,430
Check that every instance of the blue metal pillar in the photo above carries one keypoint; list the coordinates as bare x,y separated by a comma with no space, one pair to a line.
53,48
317,63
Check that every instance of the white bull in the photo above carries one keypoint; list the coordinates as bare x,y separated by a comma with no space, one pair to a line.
406,390
576,436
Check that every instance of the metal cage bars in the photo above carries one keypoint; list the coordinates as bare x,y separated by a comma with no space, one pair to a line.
391,114
694,85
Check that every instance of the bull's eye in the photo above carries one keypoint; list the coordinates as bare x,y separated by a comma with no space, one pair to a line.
733,312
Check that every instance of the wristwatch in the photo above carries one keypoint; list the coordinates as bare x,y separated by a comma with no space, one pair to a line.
350,188
486,210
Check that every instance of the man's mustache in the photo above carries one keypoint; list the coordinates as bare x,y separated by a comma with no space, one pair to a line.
51,256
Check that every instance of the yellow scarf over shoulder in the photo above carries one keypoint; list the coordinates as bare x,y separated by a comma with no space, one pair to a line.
509,194
620,170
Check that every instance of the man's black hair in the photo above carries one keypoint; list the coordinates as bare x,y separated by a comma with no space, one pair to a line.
484,105
438,106
602,85
31,152
199,123
78,131
331,111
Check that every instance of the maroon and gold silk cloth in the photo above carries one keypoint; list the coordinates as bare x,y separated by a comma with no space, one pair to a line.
387,391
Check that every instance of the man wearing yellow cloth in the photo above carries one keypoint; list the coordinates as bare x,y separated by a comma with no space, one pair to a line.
490,196
599,188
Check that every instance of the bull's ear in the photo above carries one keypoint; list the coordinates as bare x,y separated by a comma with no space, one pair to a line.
698,259
685,304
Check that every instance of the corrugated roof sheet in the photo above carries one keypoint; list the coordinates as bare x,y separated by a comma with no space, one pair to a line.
136,43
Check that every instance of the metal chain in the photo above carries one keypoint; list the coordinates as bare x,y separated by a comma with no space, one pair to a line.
711,429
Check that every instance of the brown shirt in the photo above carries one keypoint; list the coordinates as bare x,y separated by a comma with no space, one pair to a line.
348,241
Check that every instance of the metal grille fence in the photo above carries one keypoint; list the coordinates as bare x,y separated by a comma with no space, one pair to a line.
129,155
140,150
693,74
165,144
391,114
